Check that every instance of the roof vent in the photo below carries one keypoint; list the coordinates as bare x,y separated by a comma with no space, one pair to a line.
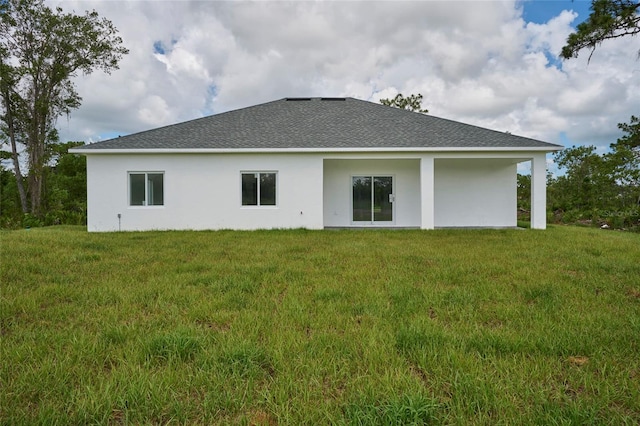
297,99
333,99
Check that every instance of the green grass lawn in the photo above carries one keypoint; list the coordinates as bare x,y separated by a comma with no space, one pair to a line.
320,327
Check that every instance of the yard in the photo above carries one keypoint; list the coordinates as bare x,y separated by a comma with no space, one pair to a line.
320,327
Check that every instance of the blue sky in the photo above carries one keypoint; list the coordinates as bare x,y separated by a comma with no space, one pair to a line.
540,11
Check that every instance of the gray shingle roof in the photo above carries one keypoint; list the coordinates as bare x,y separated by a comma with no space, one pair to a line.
319,123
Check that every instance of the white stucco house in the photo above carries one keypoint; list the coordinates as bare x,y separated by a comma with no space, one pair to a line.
312,163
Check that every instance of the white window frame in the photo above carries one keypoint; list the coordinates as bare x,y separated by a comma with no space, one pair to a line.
146,189
258,205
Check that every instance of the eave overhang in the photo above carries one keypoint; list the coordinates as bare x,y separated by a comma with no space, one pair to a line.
89,151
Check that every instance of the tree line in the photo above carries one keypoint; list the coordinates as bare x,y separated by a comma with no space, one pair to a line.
42,50
64,198
594,188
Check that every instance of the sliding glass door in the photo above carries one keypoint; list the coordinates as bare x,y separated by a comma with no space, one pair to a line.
372,199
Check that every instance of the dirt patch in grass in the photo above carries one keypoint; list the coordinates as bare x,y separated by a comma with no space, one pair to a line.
632,292
214,326
578,361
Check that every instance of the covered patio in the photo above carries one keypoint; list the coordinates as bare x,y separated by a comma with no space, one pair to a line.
428,191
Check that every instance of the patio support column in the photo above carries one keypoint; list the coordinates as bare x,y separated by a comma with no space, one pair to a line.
539,191
427,192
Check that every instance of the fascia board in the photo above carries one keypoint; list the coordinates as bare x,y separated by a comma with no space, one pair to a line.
551,148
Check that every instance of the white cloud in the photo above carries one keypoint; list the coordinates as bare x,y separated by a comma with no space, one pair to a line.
553,34
474,61
153,111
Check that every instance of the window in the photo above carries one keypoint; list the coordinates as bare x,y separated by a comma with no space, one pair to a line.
259,189
146,189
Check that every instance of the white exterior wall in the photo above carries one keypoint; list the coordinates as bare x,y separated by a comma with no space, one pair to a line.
338,189
314,190
203,191
475,193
